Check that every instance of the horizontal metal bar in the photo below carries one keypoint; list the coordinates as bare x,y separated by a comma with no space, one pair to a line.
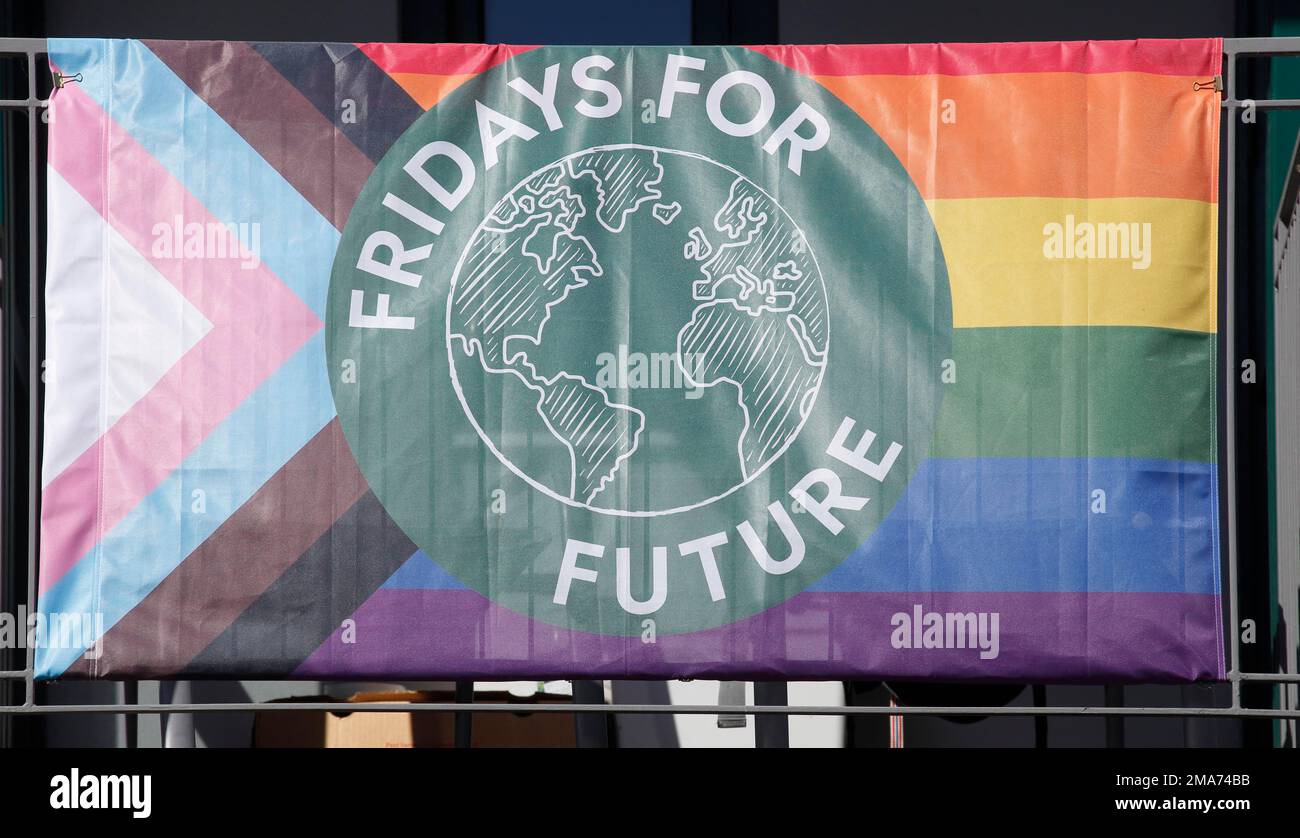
1258,677
1269,677
22,46
1264,104
661,709
1261,46
23,104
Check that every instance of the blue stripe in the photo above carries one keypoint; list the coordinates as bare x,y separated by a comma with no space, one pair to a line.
259,437
422,573
204,153
1032,525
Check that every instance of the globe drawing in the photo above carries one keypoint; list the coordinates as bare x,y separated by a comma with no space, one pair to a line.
637,330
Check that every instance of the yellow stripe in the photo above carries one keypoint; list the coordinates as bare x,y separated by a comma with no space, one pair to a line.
1005,272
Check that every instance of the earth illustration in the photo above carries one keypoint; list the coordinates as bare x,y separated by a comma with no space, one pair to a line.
637,330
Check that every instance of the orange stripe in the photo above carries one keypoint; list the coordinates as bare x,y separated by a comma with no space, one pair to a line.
426,89
1098,135
1189,57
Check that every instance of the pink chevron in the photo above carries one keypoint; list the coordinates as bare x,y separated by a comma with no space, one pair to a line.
257,324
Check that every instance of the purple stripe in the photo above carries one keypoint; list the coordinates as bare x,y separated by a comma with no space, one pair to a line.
1059,637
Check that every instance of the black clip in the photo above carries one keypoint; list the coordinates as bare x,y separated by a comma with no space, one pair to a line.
1215,83
61,79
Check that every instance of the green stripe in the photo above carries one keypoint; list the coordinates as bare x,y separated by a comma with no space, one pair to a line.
1079,391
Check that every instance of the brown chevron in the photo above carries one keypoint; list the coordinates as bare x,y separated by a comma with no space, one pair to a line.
273,117
236,564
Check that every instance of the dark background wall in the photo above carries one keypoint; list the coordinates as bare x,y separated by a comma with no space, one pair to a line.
847,21
265,20
639,21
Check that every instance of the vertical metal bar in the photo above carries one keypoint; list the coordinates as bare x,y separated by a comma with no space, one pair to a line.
590,730
1230,369
1114,724
177,728
771,730
1286,363
1039,698
9,597
131,695
464,719
33,363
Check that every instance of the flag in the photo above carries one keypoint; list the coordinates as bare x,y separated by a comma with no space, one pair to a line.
389,361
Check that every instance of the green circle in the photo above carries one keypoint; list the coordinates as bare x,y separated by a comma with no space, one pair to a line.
635,332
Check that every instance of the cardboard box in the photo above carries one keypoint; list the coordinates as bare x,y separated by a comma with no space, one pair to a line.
344,729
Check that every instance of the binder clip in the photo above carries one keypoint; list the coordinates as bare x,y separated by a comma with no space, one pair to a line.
62,79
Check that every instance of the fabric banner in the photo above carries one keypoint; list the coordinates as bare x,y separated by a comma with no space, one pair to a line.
387,361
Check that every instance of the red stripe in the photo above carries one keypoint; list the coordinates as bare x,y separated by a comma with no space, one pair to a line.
1190,57
439,59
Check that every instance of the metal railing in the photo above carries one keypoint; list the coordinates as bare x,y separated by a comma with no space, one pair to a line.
1233,49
